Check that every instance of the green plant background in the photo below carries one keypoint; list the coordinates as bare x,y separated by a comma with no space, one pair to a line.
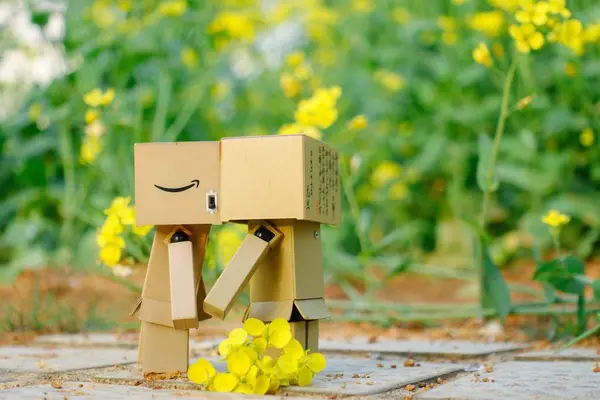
52,205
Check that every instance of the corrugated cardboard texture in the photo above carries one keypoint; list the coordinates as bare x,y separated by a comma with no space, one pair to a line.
183,287
176,166
164,349
157,281
235,277
279,177
292,269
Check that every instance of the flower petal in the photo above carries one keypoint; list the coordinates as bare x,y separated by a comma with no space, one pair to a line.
316,362
238,336
254,327
225,382
305,377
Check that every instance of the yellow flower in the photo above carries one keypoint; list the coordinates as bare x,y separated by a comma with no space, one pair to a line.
524,102
174,8
119,207
290,85
363,6
225,382
400,15
112,226
555,219
447,23
481,55
458,2
358,122
102,14
489,23
254,327
35,111
189,57
591,34
295,129
107,239
507,5
392,81
95,129
97,98
570,70
398,191
527,38
90,148
302,72
294,59
586,138
385,172
320,110
570,34
201,372
559,7
91,116
237,25
141,230
110,254
533,13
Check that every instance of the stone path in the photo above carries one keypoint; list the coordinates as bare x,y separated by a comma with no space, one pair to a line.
103,366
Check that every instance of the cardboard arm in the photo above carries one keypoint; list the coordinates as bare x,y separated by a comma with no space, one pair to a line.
184,311
240,269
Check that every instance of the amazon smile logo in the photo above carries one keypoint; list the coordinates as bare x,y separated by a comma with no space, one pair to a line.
195,182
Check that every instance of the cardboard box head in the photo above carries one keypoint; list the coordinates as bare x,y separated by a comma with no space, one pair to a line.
177,183
279,177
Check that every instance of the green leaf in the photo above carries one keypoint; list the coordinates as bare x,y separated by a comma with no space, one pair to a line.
483,175
394,264
561,274
496,293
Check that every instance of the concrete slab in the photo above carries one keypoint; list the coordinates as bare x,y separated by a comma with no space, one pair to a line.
442,348
89,340
343,376
45,360
573,354
87,390
524,381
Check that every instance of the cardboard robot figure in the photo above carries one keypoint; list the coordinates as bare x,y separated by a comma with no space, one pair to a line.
284,188
176,189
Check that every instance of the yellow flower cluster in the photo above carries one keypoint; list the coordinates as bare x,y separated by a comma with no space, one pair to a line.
586,138
490,23
174,8
235,25
449,27
109,238
536,17
555,219
320,110
95,128
300,72
249,370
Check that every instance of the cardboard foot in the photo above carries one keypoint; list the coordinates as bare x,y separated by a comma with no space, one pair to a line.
164,349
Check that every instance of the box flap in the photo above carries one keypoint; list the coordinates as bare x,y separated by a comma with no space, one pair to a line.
157,312
312,309
267,311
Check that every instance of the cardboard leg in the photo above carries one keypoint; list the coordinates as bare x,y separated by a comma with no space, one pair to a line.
164,349
140,343
312,336
299,332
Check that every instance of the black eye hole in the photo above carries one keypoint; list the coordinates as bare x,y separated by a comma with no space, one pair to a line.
212,202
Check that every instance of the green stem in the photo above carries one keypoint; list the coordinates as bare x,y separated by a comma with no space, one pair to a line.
581,315
581,337
121,281
504,113
69,193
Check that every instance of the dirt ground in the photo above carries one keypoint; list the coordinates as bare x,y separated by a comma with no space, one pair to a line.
68,302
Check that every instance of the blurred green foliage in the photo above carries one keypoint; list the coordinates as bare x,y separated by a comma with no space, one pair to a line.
202,70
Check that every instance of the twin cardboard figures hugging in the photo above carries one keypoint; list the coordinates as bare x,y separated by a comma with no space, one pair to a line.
282,187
